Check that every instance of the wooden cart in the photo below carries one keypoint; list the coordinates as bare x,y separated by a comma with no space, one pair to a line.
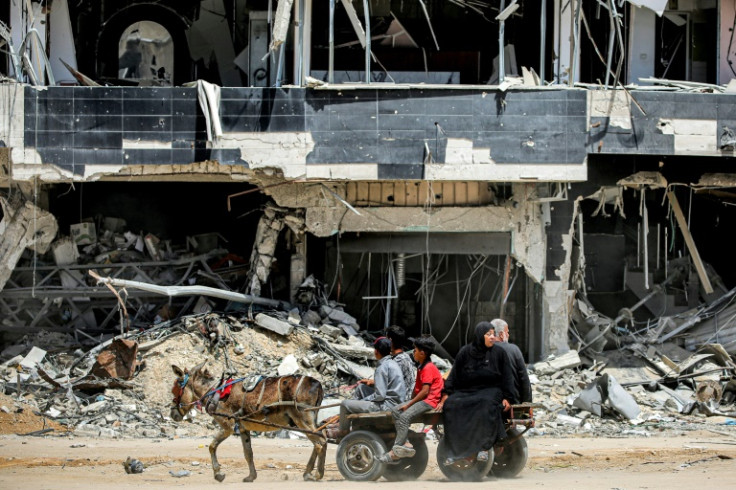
371,434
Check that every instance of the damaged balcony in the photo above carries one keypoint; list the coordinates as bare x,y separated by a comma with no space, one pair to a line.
266,43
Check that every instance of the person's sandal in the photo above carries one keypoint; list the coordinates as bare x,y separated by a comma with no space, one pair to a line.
449,461
403,451
387,458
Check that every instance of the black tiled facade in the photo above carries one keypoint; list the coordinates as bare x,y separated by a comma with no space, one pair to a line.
76,126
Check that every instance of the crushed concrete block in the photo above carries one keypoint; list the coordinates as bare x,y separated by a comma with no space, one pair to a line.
330,331
354,351
32,359
568,360
355,369
294,317
356,341
311,317
86,430
606,390
348,329
569,420
289,365
274,324
109,433
65,251
338,316
13,361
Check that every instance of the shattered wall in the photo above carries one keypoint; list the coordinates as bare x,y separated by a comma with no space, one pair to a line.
362,134
659,123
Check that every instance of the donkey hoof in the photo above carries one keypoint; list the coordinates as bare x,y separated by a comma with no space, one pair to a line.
309,477
220,476
249,479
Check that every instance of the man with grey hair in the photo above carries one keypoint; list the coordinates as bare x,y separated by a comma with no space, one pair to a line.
518,366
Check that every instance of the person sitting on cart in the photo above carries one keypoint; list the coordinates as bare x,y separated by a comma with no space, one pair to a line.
477,392
386,391
427,393
397,336
518,365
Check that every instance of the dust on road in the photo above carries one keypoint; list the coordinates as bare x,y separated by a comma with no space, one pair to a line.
61,462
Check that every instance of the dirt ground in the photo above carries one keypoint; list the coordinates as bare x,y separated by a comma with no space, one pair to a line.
65,462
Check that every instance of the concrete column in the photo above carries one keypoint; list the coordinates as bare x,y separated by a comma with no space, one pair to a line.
298,266
563,39
641,44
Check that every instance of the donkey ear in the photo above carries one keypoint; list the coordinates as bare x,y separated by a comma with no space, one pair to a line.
177,370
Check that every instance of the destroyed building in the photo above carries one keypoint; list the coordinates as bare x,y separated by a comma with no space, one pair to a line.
374,153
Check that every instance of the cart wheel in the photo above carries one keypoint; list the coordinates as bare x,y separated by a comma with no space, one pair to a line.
512,460
357,456
409,468
468,469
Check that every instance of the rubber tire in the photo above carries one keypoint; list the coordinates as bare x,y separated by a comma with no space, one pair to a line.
513,458
410,468
357,456
470,472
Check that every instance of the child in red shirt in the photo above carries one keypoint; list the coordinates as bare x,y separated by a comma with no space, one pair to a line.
427,394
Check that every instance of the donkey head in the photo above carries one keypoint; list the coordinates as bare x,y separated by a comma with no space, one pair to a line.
186,387
182,392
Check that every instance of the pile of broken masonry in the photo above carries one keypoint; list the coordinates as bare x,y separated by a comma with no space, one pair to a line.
121,387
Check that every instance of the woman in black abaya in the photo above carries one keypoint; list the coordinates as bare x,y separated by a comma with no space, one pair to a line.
479,388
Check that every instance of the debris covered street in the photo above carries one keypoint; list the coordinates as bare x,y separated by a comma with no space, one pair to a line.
92,435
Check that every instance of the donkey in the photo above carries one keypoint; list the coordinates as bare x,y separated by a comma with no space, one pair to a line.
274,401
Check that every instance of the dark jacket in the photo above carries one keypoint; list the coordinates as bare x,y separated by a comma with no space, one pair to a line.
519,372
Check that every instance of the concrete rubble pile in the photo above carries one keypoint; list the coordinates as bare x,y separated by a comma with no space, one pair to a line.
122,387
634,391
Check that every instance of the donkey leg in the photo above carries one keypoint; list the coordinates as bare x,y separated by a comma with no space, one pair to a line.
248,453
221,436
318,454
321,459
319,442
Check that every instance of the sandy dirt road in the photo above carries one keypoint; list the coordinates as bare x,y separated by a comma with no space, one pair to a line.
696,460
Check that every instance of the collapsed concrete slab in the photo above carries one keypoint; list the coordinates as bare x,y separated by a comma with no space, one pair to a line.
24,225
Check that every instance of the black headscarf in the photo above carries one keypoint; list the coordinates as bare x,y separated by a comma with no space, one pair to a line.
479,348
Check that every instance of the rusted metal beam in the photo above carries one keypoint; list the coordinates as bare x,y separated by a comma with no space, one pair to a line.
699,267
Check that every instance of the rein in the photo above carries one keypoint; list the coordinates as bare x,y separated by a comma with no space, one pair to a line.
178,389
180,384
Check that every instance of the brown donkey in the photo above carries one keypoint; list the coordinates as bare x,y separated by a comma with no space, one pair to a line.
275,401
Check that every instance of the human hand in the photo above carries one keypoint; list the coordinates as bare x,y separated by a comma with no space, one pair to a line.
506,405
